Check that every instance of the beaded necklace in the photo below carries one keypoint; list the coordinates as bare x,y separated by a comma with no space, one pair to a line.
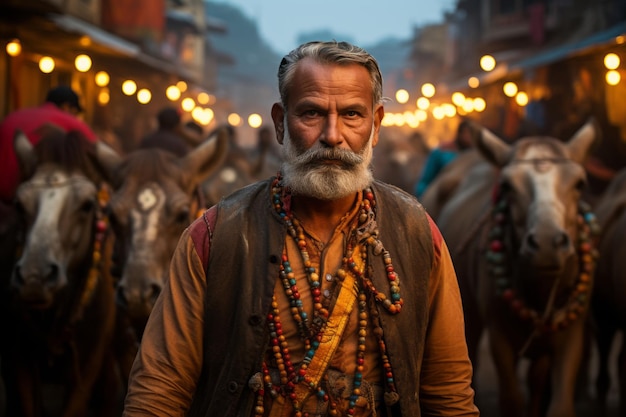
311,329
578,298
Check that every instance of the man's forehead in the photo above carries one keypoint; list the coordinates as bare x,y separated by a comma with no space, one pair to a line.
321,78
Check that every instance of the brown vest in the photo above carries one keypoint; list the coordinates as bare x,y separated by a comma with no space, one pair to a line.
243,266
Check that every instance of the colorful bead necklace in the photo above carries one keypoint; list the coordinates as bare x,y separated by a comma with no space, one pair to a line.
365,232
579,297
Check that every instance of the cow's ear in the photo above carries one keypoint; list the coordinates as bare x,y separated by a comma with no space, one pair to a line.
207,157
107,159
494,149
580,143
25,152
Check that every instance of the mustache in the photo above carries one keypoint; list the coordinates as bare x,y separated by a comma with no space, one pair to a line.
344,156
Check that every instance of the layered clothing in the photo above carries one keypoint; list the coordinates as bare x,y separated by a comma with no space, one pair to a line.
208,334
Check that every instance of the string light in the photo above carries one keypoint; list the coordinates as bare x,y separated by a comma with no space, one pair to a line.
173,92
613,77
611,61
14,48
402,96
510,89
487,63
144,96
521,98
102,79
255,120
82,63
234,119
129,87
46,64
428,90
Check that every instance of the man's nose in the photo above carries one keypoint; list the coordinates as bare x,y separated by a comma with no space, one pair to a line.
331,136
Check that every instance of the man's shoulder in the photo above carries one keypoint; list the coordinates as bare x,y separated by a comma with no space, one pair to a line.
245,194
394,194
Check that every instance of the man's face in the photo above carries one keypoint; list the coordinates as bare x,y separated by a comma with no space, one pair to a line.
326,173
328,130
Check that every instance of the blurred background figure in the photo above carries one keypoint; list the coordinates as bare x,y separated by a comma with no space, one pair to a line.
265,157
171,134
444,154
194,128
398,159
59,111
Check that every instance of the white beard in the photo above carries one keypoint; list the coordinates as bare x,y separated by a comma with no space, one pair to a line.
305,173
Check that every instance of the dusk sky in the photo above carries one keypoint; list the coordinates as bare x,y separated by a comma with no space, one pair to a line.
365,21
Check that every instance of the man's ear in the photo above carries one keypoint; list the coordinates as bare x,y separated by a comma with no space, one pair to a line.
278,116
379,114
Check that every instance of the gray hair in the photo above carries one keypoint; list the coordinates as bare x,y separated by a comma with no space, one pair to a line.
333,52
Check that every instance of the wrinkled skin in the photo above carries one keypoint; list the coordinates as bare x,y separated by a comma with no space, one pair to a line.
154,199
62,311
542,178
609,304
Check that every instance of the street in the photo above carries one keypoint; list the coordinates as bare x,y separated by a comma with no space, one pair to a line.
487,391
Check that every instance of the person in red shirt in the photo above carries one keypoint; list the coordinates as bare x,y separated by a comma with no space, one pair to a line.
59,109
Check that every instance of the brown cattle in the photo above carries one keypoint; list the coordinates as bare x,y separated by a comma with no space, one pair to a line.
58,353
521,240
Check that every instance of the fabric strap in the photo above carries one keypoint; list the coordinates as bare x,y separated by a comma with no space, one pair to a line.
333,332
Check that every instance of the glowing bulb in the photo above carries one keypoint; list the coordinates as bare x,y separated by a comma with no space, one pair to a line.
234,119
46,64
613,77
473,82
487,63
144,96
188,104
129,87
82,63
102,79
203,98
521,98
422,103
173,92
14,48
182,86
479,104
104,96
402,96
428,90
510,89
255,120
449,110
611,61
386,120
439,113
468,105
458,98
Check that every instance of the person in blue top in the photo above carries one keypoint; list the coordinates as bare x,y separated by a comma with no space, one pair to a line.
443,155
